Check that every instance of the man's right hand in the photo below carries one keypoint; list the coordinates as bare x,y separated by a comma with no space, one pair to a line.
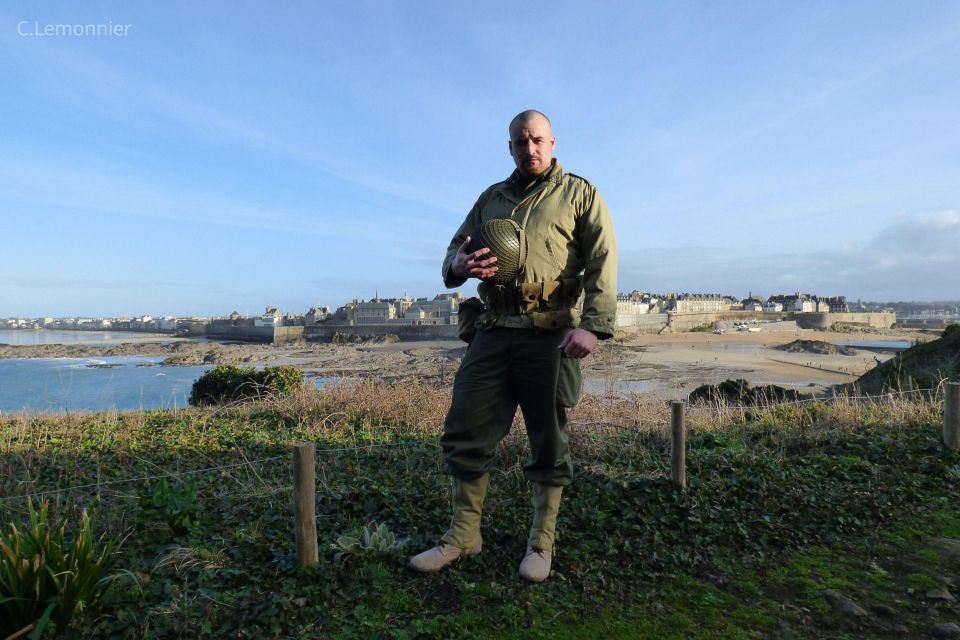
472,264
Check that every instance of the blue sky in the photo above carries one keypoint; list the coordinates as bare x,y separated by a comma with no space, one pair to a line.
233,155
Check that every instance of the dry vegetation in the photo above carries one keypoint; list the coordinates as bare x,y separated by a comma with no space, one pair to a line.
360,413
200,498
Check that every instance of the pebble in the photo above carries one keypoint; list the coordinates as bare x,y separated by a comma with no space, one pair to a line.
883,610
941,594
946,631
843,605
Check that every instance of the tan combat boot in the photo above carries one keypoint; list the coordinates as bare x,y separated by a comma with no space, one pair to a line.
462,539
535,566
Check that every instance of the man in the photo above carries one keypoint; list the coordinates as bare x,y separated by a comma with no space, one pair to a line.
528,341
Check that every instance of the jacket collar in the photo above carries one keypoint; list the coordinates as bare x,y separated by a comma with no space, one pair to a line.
516,182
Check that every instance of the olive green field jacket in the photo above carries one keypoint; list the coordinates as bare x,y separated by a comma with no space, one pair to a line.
569,233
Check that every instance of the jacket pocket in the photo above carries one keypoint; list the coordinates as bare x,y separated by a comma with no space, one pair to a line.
552,255
569,382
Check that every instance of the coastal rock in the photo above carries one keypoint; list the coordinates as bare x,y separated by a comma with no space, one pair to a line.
949,547
945,630
941,595
740,392
883,610
844,606
816,346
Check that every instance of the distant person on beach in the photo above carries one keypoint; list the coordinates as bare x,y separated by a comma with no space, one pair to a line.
528,337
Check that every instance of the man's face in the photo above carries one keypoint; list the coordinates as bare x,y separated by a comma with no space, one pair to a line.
531,145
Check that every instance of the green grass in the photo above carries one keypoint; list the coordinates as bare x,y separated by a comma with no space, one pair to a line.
924,366
782,505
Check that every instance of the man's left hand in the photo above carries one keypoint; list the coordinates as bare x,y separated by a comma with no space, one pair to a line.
579,343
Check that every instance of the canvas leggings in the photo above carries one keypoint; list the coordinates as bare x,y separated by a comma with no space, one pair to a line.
505,368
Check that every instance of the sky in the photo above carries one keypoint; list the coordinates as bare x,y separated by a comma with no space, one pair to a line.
220,156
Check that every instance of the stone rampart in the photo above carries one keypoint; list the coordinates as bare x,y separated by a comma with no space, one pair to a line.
249,333
406,332
824,321
641,323
688,321
924,323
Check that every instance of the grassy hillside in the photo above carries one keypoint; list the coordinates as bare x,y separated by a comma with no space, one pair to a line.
922,366
784,506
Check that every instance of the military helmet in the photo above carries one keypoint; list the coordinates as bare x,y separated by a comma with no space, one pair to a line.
508,243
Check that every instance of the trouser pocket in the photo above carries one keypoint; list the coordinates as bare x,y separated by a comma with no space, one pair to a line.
569,381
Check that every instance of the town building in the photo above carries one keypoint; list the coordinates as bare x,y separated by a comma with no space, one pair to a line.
316,315
703,303
271,317
809,303
375,311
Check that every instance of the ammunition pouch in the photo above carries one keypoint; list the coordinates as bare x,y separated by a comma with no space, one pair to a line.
470,310
550,303
549,320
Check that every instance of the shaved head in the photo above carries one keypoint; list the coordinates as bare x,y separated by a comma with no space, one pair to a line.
526,116
531,142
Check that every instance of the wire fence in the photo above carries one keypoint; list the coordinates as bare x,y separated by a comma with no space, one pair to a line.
933,392
840,398
178,474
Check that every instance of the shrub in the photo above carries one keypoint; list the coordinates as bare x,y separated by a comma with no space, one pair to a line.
230,383
45,578
739,392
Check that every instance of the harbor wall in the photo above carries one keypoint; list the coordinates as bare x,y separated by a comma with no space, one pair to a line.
641,323
824,321
406,332
250,333
925,323
688,321
649,323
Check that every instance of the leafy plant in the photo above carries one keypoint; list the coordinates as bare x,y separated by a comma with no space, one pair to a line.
369,540
230,383
184,559
46,578
762,483
178,506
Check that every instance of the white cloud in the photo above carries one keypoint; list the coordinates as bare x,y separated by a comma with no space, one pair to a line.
915,258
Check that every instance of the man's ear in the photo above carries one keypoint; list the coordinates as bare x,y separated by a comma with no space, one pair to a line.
510,146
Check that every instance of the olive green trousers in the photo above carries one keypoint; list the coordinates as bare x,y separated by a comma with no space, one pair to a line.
503,369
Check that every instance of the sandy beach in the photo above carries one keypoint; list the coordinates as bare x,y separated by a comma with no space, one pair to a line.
672,365
668,365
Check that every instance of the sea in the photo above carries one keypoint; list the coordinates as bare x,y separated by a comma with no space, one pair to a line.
93,338
109,383
99,383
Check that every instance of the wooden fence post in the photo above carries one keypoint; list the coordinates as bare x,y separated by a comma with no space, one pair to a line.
678,457
951,415
305,503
